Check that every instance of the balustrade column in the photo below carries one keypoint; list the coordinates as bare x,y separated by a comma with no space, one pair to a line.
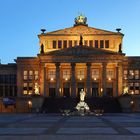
73,80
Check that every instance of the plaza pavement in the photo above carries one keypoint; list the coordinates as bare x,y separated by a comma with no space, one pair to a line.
57,127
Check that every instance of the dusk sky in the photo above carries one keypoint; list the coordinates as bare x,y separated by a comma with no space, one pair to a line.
21,21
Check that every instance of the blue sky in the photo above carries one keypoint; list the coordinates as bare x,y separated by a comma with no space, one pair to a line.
21,21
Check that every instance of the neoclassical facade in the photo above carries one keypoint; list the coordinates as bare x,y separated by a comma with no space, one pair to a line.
75,58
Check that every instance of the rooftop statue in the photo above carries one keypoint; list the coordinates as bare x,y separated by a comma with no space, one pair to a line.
80,20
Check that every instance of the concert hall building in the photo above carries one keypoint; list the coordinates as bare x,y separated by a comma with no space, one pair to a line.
71,59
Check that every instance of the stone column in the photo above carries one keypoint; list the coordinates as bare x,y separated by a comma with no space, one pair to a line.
47,83
104,78
88,82
120,79
57,86
44,81
117,78
73,80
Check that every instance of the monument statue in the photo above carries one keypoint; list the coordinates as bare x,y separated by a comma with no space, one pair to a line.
81,41
82,106
36,89
125,90
82,95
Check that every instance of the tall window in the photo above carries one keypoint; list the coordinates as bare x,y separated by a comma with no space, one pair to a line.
131,74
96,43
66,74
59,44
110,74
36,75
86,43
125,74
51,74
75,43
106,43
31,75
70,43
30,88
25,74
136,73
101,44
95,74
54,44
131,87
25,88
80,74
137,85
91,43
65,43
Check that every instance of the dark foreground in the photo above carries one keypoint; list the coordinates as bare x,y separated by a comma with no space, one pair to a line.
57,127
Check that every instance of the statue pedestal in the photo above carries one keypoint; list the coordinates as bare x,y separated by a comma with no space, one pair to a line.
82,108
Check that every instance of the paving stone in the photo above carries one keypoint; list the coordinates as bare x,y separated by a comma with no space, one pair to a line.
8,131
135,130
98,130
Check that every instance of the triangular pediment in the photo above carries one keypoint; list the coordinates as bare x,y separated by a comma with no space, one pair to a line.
81,29
81,51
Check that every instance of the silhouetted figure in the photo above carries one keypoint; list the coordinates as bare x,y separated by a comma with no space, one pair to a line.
120,48
81,41
42,49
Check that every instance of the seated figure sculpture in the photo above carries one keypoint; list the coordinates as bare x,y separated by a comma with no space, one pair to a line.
82,105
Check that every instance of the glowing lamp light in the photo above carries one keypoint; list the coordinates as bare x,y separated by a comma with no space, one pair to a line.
95,79
30,93
101,89
30,104
109,79
80,79
66,79
132,92
51,79
132,73
132,102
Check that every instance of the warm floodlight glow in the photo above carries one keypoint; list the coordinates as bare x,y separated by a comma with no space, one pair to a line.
132,102
101,89
132,92
95,79
52,79
66,79
109,79
132,73
30,104
80,79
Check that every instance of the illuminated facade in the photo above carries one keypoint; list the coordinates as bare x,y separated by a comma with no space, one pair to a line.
75,58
